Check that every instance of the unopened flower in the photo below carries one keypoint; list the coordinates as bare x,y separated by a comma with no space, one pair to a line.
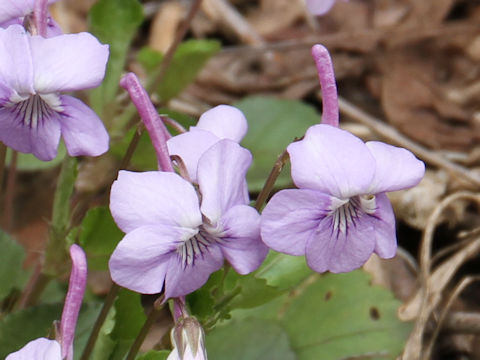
174,240
33,73
188,341
62,348
221,122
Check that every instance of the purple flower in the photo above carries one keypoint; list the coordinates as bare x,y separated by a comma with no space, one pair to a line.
33,72
221,122
15,11
45,349
173,240
340,214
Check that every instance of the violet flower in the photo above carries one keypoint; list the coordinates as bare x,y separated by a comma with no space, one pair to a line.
220,122
33,72
62,348
340,214
15,12
173,240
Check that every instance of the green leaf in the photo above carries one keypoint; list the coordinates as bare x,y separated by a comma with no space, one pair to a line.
272,125
188,60
18,328
86,319
99,237
114,22
154,355
249,339
11,261
283,271
129,315
342,315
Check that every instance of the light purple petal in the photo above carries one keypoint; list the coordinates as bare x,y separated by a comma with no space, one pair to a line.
68,62
333,161
82,130
224,121
339,251
384,223
141,260
39,349
182,280
153,198
41,140
320,7
190,146
291,217
397,168
16,68
241,242
221,177
11,9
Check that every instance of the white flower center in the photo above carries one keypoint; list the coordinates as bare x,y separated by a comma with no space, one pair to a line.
35,109
345,212
196,246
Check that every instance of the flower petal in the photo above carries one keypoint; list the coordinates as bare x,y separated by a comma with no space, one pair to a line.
153,198
221,177
241,242
339,251
16,68
320,7
68,62
397,168
82,130
333,161
41,140
39,349
384,223
291,217
141,260
224,121
17,8
190,146
183,280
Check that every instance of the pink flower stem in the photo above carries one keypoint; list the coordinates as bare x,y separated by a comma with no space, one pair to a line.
179,309
40,17
328,85
73,301
153,123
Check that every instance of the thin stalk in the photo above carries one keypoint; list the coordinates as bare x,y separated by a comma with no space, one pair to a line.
10,192
34,289
272,178
107,305
3,155
132,147
152,317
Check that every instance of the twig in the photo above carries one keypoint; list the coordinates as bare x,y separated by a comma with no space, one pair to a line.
462,323
392,135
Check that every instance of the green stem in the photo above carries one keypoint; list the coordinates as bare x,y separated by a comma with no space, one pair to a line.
270,182
10,192
152,317
56,252
107,305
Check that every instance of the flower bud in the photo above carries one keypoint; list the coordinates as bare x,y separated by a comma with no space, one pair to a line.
188,340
